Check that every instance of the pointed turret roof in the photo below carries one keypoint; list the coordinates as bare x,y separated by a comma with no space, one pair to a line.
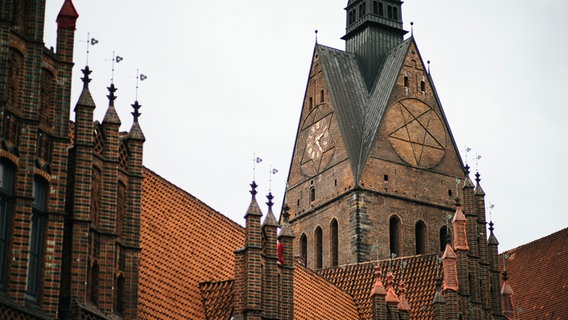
253,208
67,17
478,190
136,132
270,219
111,116
85,99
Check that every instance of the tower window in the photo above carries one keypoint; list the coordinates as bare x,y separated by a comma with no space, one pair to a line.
395,13
6,183
322,99
312,194
406,81
375,7
361,10
422,86
311,103
386,177
389,12
93,284
450,193
39,209
334,243
381,10
420,234
444,237
394,236
304,249
120,295
319,245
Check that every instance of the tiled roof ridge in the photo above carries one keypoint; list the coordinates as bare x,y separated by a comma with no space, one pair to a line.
523,246
383,260
192,196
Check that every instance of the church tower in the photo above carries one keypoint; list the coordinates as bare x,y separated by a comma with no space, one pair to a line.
374,168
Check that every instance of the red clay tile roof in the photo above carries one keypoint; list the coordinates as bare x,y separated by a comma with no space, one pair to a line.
217,298
316,298
184,242
419,277
538,275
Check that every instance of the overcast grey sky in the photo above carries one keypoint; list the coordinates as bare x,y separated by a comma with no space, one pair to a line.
226,80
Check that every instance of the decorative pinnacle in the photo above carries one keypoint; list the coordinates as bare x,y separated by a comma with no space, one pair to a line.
111,97
477,177
505,275
467,169
136,106
253,191
270,203
458,203
85,78
491,228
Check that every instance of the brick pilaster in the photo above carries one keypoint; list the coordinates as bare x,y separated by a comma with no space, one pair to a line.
286,239
270,292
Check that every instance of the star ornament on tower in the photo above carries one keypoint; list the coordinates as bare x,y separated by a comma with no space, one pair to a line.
416,133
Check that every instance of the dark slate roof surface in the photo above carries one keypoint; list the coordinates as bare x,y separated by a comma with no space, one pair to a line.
359,112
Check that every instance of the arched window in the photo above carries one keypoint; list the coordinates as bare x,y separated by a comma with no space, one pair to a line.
6,193
394,235
39,210
312,194
93,284
381,10
119,297
319,244
444,237
304,249
96,187
334,243
420,234
120,208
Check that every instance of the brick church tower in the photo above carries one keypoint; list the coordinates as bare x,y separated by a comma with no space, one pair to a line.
69,194
373,173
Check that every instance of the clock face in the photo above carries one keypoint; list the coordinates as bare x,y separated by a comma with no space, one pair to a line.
416,133
317,141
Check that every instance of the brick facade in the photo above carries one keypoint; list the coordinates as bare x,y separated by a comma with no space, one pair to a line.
53,250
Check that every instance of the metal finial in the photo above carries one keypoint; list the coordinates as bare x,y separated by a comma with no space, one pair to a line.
136,113
116,59
316,32
253,191
491,224
505,275
270,203
111,97
85,78
412,28
477,177
428,66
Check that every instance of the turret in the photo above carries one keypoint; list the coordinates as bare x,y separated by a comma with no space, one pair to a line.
286,240
66,22
373,29
270,290
378,295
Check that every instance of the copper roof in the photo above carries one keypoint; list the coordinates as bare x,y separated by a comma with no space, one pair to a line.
419,274
538,275
184,242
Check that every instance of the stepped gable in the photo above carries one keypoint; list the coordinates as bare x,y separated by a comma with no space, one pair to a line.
184,243
359,112
538,277
419,276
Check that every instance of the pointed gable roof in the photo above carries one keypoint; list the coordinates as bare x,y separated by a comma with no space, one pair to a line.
359,112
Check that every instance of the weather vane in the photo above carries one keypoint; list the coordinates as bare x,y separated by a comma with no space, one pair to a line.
139,78
491,206
116,59
467,150
273,171
477,157
90,42
255,160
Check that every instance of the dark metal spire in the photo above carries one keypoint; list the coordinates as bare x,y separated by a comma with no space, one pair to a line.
477,177
136,106
85,78
270,203
253,191
111,97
